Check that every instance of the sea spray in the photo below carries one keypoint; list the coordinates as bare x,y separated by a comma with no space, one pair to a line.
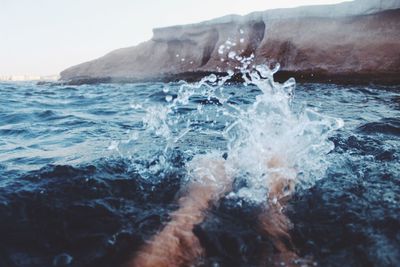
252,134
270,128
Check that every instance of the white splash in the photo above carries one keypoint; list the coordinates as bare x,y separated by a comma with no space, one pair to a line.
270,129
254,134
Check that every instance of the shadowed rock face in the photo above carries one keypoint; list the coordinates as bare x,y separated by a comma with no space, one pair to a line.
355,42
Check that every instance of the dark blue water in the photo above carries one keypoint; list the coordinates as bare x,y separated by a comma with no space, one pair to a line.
69,198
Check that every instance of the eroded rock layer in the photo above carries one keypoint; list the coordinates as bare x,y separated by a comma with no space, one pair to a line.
353,42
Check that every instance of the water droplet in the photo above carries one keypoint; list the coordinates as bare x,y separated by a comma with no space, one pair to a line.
221,49
212,78
276,68
168,98
232,55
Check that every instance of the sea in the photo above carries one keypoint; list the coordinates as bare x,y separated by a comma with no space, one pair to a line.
89,173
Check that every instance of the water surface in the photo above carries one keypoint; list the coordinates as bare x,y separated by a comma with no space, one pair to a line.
82,184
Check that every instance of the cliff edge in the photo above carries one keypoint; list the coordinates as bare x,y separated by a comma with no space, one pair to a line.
351,42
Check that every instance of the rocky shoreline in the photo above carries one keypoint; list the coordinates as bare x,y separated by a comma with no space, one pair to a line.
354,42
281,76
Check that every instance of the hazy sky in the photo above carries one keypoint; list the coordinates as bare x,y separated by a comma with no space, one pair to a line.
42,37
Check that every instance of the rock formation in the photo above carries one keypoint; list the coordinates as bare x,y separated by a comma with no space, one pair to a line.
351,42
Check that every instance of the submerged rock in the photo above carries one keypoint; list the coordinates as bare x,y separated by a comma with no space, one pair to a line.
352,42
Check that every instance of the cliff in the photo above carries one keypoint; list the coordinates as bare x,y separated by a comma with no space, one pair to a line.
351,42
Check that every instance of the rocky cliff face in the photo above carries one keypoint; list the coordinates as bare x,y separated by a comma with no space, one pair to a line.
350,42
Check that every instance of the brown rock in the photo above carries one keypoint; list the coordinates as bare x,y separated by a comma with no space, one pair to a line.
353,42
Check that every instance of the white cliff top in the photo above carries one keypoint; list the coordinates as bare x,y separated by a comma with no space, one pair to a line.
347,8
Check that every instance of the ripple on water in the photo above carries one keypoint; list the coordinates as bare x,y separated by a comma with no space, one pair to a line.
14,118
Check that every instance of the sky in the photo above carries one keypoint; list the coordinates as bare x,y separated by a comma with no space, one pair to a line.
43,37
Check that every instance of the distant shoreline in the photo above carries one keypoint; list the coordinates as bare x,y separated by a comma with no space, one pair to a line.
28,78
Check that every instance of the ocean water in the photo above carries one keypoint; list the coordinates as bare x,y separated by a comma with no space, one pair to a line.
89,173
